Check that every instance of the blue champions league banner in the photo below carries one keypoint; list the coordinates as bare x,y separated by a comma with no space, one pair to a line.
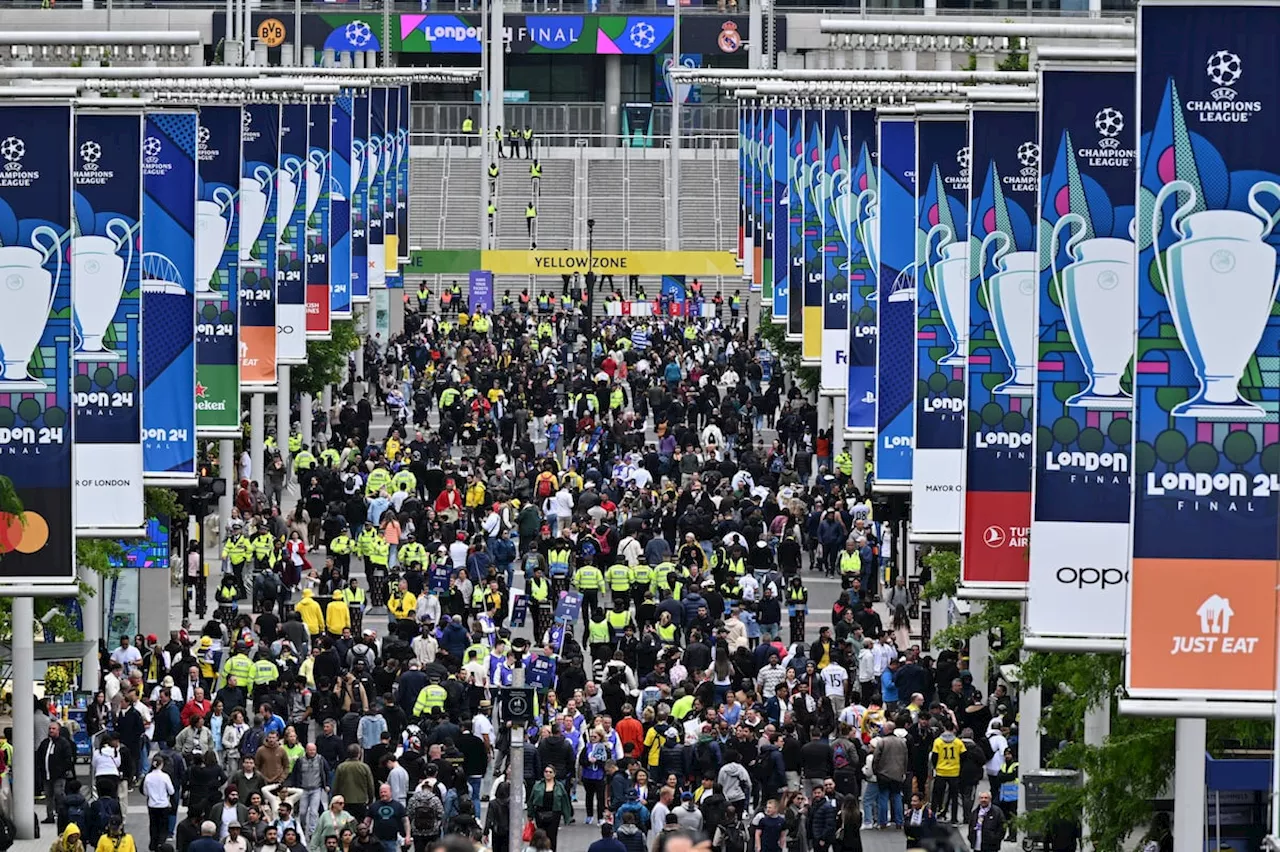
781,177
36,342
404,159
1202,607
861,219
757,199
815,188
340,187
106,265
217,273
744,154
797,189
390,191
292,195
896,318
1000,381
834,254
260,225
319,186
360,156
764,222
169,298
1085,308
942,324
375,163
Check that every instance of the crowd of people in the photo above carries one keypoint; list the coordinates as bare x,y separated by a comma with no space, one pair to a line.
626,514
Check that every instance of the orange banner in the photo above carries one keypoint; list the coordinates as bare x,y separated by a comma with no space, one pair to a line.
1198,624
257,355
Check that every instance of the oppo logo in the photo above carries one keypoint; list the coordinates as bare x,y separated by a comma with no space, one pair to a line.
1100,577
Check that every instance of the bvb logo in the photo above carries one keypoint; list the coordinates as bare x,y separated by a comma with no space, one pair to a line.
271,32
25,533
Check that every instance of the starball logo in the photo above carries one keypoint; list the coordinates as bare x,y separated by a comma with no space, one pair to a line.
152,164
960,181
1028,176
13,149
90,172
1224,70
1109,122
247,133
204,153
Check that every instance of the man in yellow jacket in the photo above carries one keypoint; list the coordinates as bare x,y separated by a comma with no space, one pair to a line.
337,616
309,609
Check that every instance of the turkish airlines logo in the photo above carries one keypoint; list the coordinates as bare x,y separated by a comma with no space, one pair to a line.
994,537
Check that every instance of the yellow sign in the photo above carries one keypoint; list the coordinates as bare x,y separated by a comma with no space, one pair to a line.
271,32
565,262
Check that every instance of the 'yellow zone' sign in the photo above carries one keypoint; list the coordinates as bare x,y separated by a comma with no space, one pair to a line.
562,262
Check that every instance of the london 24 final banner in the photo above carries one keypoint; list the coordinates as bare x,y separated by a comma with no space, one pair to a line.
1000,380
36,342
895,340
764,222
292,195
319,186
261,220
106,266
815,180
942,325
361,155
391,191
375,163
340,189
218,215
1078,585
404,160
746,183
1202,606
834,253
168,298
757,199
781,175
860,219
797,189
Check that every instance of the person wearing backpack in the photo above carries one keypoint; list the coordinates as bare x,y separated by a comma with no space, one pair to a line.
730,835
73,808
844,762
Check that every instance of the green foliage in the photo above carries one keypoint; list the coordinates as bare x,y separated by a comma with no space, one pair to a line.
325,360
163,503
775,337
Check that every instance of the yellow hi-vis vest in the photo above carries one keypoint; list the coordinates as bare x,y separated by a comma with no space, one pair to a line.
667,633
598,632
588,578
618,621
850,563
538,589
432,697
619,577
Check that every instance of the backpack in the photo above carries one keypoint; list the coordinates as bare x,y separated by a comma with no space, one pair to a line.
76,812
543,487
705,756
602,539
734,839
425,822
840,756
251,741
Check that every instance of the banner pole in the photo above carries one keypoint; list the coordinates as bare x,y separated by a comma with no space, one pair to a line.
1188,785
24,718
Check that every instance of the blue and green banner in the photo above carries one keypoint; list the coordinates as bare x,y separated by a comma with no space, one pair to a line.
262,222
291,244
834,254
814,184
217,235
1085,320
942,325
361,156
746,188
169,298
341,271
895,314
757,199
319,185
1000,380
106,267
391,191
376,156
764,225
860,221
36,343
782,165
404,143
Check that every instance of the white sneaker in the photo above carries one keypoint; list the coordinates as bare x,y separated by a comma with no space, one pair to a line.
866,826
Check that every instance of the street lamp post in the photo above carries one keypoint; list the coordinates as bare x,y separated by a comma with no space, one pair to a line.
590,280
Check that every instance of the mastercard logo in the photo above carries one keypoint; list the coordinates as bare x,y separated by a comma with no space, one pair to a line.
25,533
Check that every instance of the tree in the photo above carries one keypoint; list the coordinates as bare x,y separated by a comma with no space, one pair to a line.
326,359
788,353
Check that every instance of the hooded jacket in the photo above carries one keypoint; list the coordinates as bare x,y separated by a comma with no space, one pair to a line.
309,609
69,840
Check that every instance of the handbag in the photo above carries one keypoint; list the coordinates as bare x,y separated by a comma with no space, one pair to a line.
527,834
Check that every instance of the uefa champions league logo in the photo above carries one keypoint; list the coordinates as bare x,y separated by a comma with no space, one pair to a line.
151,148
1029,157
90,172
203,151
1108,122
90,153
358,34
642,35
13,150
1224,69
962,158
247,133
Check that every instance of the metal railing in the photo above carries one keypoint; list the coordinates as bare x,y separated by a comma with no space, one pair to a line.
1003,8
571,125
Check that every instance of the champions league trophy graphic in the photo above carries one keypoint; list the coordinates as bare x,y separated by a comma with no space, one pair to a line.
213,226
1220,282
357,163
373,154
1011,294
286,197
1096,291
99,274
315,173
950,274
27,290
255,194
867,207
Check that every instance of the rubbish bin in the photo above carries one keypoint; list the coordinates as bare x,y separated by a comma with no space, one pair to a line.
1040,789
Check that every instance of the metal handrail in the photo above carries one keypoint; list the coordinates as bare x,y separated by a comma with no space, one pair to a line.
604,8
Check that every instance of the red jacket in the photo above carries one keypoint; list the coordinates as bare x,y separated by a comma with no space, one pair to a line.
631,733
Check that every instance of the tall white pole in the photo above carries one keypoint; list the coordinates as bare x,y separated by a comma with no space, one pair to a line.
673,199
1097,727
755,46
1188,785
24,716
257,435
515,769
305,415
92,615
284,406
1028,736
227,470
